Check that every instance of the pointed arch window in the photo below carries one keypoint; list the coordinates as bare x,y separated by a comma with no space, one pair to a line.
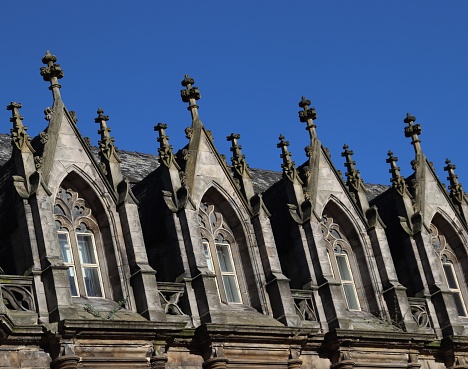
451,268
217,241
76,231
339,253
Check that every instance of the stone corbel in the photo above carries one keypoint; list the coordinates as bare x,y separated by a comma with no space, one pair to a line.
294,362
181,201
158,357
123,192
217,359
258,205
27,187
373,218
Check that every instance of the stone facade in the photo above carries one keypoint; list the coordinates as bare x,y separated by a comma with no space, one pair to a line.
255,269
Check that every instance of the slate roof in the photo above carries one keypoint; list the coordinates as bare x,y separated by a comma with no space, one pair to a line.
136,166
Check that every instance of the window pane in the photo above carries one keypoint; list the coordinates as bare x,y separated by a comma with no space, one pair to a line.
209,262
86,249
345,273
459,304
92,283
224,257
351,297
71,279
65,248
230,286
450,275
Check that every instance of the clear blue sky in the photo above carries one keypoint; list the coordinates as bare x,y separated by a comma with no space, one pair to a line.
364,65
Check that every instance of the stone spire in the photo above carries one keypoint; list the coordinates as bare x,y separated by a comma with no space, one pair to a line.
190,95
354,180
52,73
307,115
353,175
239,164
398,181
106,144
166,155
456,190
413,130
19,137
289,167
240,168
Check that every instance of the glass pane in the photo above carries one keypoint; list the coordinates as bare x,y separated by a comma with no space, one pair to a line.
224,257
92,283
65,248
71,279
209,262
230,286
86,249
335,234
450,275
351,298
345,273
459,304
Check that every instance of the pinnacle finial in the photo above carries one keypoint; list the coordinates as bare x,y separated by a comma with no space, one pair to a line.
456,190
190,95
52,73
106,144
398,181
19,137
289,167
239,164
413,130
166,155
307,115
354,180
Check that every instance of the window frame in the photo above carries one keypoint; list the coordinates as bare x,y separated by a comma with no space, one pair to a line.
339,246
212,229
447,257
74,219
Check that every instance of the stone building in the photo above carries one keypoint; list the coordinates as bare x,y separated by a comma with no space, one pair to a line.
255,269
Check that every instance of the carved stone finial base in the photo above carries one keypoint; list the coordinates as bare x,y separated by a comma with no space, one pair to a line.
294,363
216,363
65,362
158,362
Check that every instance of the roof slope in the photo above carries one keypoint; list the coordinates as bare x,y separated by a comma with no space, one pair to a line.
136,166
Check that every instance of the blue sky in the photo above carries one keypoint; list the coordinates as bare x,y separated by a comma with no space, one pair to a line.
363,64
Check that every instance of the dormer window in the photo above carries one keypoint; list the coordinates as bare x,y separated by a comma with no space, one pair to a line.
339,252
76,228
217,247
450,267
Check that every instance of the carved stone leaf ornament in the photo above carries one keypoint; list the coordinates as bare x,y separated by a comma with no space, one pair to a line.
72,209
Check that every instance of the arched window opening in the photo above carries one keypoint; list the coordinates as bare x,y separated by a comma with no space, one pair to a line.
450,266
339,251
217,241
77,230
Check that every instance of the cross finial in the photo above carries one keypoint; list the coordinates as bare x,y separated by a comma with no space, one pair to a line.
52,73
19,137
190,95
106,144
239,164
456,190
413,130
166,155
289,167
354,180
398,181
307,115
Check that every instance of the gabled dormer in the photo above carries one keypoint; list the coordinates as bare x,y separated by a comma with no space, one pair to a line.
332,238
427,233
77,219
226,260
